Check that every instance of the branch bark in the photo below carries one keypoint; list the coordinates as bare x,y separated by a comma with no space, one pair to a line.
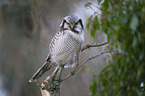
51,85
94,45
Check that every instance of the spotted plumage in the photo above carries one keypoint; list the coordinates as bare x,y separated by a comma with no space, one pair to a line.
65,47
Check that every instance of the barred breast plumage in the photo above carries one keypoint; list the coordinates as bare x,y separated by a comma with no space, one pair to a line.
65,48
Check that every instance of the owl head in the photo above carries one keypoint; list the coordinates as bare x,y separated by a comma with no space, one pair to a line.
72,23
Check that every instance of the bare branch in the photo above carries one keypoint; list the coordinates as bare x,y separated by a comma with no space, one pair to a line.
78,67
96,45
51,86
90,58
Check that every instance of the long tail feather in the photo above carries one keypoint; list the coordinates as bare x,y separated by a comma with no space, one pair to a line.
45,67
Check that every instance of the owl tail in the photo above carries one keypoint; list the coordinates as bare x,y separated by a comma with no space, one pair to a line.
45,67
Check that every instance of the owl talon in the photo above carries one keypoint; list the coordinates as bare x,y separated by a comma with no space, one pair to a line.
72,73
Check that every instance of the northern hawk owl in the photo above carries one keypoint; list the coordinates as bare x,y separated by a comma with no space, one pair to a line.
65,47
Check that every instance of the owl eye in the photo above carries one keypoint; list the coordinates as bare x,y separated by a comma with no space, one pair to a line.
67,23
76,23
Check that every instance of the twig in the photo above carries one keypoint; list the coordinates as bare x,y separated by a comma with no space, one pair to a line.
76,69
55,72
90,58
97,7
95,45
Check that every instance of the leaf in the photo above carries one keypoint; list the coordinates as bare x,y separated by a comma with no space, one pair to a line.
93,87
105,5
93,32
134,43
134,23
88,4
99,1
95,26
88,22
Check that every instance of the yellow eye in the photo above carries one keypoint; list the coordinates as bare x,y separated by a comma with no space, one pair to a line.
76,24
67,23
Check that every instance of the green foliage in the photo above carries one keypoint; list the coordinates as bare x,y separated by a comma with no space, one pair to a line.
93,87
88,4
99,1
88,22
94,25
124,23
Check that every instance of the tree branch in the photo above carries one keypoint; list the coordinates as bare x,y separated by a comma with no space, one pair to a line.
51,85
80,65
96,45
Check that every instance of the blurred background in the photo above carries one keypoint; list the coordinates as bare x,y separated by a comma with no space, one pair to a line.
26,30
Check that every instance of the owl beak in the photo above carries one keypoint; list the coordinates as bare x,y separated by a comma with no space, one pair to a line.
72,26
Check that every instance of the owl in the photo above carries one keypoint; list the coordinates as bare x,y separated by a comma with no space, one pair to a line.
65,47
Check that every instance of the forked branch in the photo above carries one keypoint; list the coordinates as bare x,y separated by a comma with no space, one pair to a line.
51,86
80,65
